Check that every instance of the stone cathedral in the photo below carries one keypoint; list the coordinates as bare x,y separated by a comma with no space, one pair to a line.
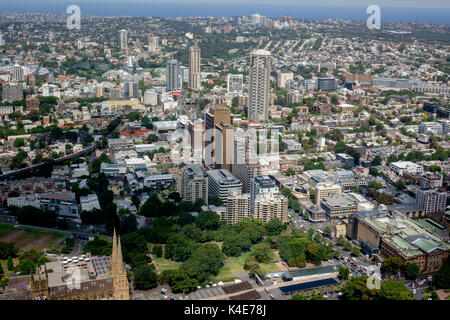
74,278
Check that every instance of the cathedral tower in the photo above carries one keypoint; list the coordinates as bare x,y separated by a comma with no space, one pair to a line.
118,272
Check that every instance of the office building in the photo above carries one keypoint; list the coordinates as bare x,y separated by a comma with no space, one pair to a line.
235,84
395,83
400,167
132,88
431,88
196,131
326,190
221,182
160,180
151,97
12,91
431,128
183,74
172,77
245,162
348,161
224,139
112,169
282,78
63,203
261,185
195,80
353,80
259,92
114,94
217,115
339,206
123,39
17,73
327,84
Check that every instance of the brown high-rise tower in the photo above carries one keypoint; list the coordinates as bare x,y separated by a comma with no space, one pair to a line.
218,115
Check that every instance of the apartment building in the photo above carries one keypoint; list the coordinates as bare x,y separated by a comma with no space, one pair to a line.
192,184
238,206
430,180
432,200
269,206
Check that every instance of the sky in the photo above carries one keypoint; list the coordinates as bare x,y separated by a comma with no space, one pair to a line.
431,11
332,3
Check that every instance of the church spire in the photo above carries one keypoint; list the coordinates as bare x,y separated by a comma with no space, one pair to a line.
113,259
119,259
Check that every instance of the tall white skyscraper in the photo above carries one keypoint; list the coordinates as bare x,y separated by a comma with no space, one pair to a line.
194,67
123,41
258,109
2,42
17,73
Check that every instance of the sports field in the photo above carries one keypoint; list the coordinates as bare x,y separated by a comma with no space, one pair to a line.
27,238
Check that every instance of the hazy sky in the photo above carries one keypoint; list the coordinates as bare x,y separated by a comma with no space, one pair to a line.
334,3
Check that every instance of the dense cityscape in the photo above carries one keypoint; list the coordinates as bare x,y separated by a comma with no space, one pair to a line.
233,158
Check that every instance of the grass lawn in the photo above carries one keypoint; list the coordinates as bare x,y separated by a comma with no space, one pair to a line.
104,237
269,267
164,264
219,244
235,266
5,269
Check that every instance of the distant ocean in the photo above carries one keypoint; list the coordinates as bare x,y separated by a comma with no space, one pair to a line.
164,9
